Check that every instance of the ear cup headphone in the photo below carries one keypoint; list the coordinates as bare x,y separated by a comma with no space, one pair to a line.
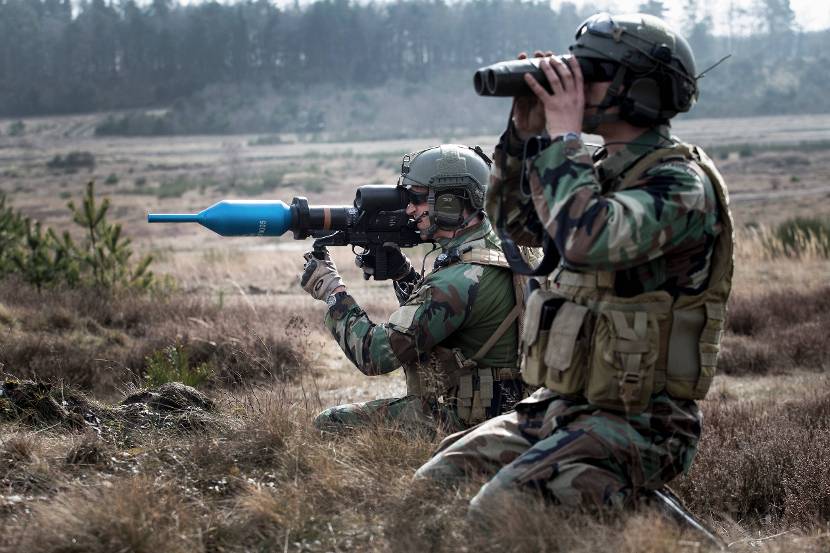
448,211
641,103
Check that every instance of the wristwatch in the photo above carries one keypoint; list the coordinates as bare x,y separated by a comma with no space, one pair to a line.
569,136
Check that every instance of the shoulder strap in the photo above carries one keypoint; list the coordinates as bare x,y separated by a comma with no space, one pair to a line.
678,151
496,336
484,256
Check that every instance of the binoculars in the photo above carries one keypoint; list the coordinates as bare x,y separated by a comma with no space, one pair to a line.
506,78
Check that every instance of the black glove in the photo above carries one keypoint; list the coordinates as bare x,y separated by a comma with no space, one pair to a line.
397,264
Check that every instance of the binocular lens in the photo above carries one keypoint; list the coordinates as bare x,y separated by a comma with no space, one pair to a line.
480,83
491,82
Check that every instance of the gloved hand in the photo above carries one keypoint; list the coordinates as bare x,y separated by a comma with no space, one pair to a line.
320,277
398,265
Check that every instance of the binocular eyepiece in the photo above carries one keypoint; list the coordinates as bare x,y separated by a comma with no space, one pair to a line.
506,78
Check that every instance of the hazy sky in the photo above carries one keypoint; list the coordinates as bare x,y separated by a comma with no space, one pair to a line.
810,15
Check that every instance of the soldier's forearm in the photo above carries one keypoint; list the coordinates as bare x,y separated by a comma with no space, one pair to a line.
509,204
364,343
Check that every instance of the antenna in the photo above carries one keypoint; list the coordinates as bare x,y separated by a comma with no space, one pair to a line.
717,63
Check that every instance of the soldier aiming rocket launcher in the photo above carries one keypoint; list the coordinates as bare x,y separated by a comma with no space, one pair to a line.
377,218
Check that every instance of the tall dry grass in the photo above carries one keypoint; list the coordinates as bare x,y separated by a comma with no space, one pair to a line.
100,343
777,332
265,480
269,482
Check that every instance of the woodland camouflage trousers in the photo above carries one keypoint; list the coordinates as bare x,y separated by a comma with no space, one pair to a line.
572,452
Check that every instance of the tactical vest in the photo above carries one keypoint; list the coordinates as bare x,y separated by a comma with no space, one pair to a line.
580,339
459,382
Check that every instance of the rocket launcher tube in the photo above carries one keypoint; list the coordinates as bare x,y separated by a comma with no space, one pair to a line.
376,219
263,218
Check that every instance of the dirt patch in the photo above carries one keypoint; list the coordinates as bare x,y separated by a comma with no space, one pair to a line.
42,405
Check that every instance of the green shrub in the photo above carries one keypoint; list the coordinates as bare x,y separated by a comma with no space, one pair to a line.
801,235
267,140
17,128
172,364
72,161
42,258
177,187
105,254
112,179
12,231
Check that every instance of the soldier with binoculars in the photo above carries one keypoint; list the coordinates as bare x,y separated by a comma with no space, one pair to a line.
622,334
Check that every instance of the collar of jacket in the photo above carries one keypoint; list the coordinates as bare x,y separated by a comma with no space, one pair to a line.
613,166
468,234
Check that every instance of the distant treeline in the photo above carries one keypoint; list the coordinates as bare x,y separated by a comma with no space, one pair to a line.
116,54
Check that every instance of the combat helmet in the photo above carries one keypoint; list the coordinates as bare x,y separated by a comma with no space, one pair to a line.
456,178
656,75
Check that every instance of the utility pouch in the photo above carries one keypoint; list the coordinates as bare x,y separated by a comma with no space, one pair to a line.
625,350
683,360
694,345
539,314
566,354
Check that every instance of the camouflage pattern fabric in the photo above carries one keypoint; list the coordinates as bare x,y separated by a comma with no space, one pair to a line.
655,235
572,452
409,413
457,306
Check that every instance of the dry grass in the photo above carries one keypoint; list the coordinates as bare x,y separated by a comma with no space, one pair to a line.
100,343
777,332
257,477
764,461
269,482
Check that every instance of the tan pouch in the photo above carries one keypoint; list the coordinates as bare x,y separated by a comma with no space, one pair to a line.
683,360
710,347
566,354
534,338
625,349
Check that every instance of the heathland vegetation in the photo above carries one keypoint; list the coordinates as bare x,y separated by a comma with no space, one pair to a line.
101,450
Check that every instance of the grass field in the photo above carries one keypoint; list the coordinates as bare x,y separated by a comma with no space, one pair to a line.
249,473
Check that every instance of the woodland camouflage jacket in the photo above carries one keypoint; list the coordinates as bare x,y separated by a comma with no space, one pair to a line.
655,235
456,306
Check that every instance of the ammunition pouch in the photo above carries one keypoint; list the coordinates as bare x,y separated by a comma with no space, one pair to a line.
460,384
617,352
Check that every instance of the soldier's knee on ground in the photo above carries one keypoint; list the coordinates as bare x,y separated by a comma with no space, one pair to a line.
492,498
325,421
585,485
439,469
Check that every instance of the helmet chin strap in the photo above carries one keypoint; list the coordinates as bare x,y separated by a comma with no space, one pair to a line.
466,222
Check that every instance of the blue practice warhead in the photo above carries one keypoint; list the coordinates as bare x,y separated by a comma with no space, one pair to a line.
236,217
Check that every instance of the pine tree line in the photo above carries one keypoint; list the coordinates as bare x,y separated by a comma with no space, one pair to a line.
107,54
